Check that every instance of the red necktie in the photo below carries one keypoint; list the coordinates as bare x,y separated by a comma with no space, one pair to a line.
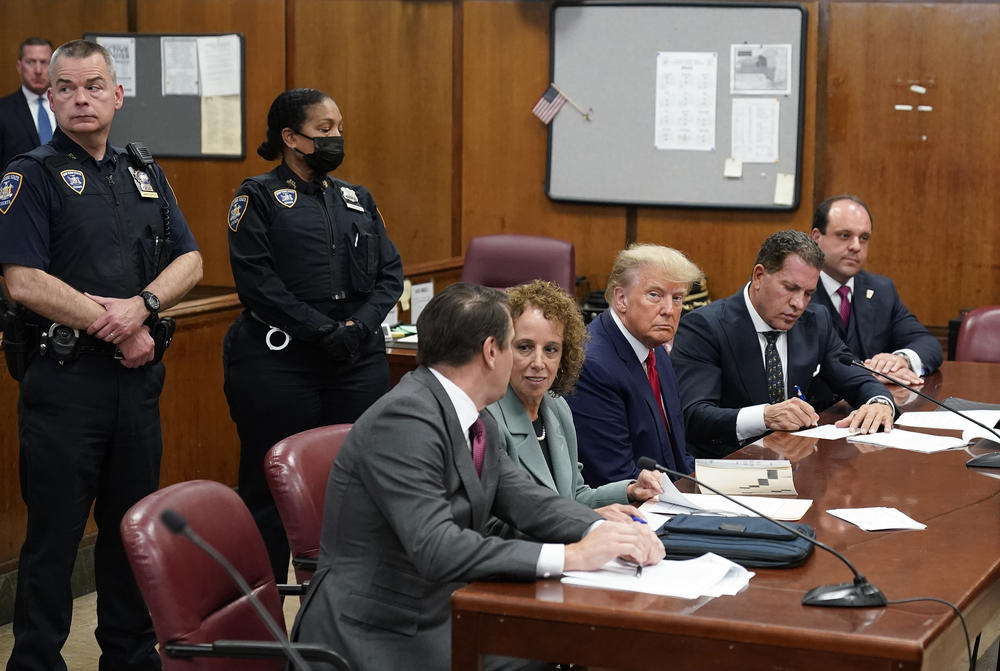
845,304
477,436
654,383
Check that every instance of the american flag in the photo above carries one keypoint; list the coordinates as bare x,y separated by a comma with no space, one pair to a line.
549,104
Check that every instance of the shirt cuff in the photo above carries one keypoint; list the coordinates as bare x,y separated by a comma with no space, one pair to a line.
552,558
750,422
873,399
916,365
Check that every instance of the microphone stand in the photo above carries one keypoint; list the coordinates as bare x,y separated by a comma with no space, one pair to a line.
989,460
857,594
178,525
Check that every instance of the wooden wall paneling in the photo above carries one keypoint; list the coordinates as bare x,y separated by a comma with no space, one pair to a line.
505,68
204,188
57,21
930,178
13,514
388,64
724,243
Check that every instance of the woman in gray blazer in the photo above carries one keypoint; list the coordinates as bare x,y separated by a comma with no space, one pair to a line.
535,423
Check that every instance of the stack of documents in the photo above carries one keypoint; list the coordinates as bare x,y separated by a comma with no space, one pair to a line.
747,476
672,502
877,519
708,575
909,440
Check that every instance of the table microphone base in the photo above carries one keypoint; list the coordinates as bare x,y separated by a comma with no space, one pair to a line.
988,460
847,595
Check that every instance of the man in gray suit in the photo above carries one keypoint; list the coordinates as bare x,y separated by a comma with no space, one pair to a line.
406,508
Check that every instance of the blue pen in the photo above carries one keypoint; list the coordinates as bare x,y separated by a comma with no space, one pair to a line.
798,392
638,519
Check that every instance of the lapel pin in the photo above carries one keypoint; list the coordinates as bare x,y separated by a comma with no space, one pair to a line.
869,293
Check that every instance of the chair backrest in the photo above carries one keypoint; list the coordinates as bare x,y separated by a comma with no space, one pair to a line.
297,470
506,260
190,597
979,335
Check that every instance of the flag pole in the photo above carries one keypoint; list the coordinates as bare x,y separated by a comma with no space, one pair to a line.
586,115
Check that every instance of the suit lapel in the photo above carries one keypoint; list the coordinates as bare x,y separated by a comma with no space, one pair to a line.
861,313
461,455
636,372
802,350
525,449
563,471
28,121
745,350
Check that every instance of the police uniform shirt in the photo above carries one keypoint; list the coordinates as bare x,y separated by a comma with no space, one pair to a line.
306,254
101,248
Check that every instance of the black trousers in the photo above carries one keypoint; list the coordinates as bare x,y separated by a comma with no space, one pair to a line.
89,434
274,394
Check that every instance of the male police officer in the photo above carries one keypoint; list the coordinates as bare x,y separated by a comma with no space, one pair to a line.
92,244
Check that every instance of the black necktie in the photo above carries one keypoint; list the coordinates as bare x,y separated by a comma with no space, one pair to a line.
772,363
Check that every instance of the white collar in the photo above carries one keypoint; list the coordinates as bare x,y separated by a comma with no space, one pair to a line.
33,97
831,285
465,408
759,324
641,351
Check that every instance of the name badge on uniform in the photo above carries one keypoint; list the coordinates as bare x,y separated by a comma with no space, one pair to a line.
74,179
286,197
351,199
9,186
142,183
236,212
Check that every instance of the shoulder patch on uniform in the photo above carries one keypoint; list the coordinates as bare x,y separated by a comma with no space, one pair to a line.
9,186
74,179
236,212
286,197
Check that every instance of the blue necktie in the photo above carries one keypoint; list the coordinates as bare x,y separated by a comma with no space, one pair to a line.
44,126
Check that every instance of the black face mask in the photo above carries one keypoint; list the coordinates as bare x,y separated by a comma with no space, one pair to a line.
328,153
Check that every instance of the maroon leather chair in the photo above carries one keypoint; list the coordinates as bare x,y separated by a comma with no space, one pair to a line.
297,469
506,260
979,335
202,620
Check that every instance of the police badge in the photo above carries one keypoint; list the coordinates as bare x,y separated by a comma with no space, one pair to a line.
9,186
142,183
74,179
286,197
236,212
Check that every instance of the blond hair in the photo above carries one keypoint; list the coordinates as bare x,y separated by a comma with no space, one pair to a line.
672,264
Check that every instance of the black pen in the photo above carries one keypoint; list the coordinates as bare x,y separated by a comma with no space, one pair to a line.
638,570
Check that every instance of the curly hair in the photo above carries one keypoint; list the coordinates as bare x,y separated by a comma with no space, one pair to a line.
557,306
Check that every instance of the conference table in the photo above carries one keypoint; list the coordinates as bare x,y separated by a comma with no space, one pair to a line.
956,558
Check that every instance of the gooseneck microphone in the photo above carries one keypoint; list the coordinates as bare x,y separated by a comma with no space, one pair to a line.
174,521
857,594
989,460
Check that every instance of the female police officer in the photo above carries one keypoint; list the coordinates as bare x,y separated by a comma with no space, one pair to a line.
317,274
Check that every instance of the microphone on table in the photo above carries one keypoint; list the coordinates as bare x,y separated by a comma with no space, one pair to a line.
857,594
174,521
989,460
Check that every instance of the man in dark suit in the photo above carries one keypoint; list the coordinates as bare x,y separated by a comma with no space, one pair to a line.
745,363
19,111
406,508
864,307
625,405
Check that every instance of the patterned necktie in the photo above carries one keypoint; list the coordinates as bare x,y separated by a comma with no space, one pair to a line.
845,304
775,374
477,437
44,126
654,384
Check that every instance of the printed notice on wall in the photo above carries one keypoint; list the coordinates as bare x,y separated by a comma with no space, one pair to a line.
219,65
760,69
219,135
685,100
122,50
179,66
755,129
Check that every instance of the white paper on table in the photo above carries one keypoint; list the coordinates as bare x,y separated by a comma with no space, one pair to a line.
655,520
948,420
877,519
781,509
909,440
709,574
825,432
968,435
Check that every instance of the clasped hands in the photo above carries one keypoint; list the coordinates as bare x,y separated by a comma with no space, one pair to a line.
122,325
895,365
